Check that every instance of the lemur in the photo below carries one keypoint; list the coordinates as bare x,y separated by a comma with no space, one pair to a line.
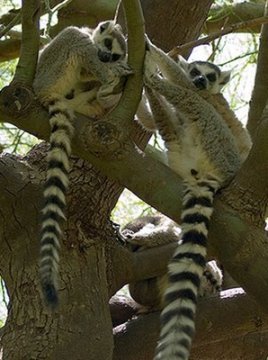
80,70
202,149
209,78
157,230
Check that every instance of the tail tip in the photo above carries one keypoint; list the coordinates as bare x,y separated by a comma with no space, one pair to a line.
50,296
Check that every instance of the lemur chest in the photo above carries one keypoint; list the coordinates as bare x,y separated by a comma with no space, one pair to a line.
189,160
71,80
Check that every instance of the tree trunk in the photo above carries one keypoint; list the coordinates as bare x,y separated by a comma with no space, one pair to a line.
83,312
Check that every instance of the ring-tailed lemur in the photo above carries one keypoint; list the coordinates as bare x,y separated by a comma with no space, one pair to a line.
78,71
157,230
203,151
209,78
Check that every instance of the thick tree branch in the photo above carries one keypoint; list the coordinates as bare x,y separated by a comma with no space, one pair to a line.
10,25
223,324
25,70
122,309
124,113
135,266
260,91
254,189
9,49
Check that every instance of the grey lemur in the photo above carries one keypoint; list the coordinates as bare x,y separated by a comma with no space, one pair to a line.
157,230
79,70
202,149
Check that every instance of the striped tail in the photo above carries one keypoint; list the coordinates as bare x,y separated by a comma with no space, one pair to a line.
54,195
185,271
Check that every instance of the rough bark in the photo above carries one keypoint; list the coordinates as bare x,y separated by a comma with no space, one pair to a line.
84,289
230,327
259,93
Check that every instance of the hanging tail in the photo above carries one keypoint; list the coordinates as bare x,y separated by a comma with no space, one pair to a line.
54,195
185,271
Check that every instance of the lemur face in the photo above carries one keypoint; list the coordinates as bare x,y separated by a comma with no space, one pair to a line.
110,40
206,75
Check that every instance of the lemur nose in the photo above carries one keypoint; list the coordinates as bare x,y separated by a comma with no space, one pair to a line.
200,82
104,56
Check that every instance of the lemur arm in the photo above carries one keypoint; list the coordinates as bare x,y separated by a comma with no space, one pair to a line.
169,68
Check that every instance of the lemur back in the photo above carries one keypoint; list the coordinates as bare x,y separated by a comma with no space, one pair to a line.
202,150
78,71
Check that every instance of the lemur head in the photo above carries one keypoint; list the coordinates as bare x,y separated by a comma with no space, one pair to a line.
110,40
206,75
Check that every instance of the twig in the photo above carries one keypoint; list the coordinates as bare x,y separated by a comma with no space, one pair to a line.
207,39
51,12
238,58
12,23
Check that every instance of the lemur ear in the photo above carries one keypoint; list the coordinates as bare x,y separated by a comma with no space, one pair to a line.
225,77
118,27
182,62
147,42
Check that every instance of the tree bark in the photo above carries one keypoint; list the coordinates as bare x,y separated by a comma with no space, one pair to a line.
231,327
83,268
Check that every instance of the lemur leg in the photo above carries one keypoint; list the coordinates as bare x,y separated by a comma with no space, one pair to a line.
173,93
163,115
187,100
86,103
145,116
168,67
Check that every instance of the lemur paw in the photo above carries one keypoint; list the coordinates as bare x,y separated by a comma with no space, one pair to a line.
211,281
150,69
122,69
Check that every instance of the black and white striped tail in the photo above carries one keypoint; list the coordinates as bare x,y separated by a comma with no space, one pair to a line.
54,195
185,271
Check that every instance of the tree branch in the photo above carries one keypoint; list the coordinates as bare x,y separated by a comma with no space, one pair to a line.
136,266
9,49
25,70
9,26
253,189
207,39
231,13
124,113
222,325
260,90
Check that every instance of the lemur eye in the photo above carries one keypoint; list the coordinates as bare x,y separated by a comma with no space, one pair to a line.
108,43
211,77
116,57
103,27
195,72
